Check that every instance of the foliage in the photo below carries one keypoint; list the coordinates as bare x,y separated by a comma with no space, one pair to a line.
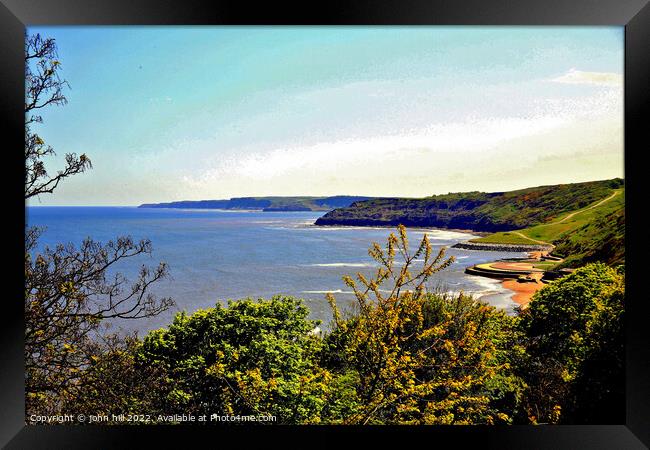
68,294
250,358
115,381
574,339
422,357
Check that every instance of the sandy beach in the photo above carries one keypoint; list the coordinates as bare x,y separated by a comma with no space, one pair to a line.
523,291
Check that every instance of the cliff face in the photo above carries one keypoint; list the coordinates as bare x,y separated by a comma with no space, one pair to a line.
458,222
478,211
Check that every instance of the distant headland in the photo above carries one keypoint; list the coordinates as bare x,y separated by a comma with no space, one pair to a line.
266,203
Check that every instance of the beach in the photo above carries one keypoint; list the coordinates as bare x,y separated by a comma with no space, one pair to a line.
523,291
520,277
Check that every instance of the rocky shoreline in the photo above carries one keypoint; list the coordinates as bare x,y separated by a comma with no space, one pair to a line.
503,247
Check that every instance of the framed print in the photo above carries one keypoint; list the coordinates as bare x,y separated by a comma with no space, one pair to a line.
374,218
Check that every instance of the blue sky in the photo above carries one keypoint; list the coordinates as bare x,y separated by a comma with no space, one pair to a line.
173,113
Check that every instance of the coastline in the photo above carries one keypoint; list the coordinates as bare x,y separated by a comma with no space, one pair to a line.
418,228
518,276
495,294
523,292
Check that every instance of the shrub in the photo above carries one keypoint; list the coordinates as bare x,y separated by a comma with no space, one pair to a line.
422,357
249,358
575,343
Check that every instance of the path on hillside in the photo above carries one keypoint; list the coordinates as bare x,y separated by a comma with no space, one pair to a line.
530,239
566,218
590,207
524,291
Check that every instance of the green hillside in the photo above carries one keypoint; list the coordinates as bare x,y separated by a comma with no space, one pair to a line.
584,221
478,211
593,233
600,240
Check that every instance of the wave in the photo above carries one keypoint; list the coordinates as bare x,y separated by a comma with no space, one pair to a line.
487,284
331,291
443,235
339,291
342,265
492,292
342,228
500,300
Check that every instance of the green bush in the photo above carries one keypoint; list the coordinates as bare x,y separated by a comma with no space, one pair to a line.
251,357
575,343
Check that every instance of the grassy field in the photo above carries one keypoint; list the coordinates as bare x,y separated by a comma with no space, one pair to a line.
560,226
505,237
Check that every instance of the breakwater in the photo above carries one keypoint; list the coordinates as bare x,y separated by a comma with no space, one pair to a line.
503,247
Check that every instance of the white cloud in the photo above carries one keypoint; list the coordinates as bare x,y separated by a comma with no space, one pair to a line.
445,156
437,142
574,76
418,150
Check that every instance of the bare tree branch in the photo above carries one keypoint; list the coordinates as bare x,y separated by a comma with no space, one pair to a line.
44,87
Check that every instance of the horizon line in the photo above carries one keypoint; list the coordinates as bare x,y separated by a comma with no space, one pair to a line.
309,196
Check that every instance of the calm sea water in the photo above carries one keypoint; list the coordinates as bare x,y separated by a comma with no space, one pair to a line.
218,255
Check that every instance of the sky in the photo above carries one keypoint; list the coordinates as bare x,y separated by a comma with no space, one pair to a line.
192,113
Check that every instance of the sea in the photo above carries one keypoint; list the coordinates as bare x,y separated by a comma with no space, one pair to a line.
217,255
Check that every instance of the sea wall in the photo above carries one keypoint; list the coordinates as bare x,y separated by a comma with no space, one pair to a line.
503,247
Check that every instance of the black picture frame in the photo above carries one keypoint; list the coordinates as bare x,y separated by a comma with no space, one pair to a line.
634,15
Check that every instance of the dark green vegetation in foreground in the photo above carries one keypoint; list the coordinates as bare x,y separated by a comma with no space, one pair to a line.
478,211
410,356
265,203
